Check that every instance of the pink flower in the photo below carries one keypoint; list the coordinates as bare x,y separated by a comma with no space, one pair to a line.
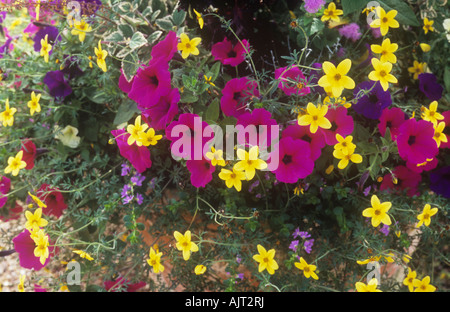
150,83
292,81
391,118
138,156
407,180
25,245
5,186
294,160
229,55
29,153
340,123
13,213
189,136
316,140
201,171
419,168
236,94
163,112
261,134
415,141
313,6
123,284
124,85
350,31
164,50
54,200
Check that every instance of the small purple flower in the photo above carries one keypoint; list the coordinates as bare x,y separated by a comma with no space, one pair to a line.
385,229
313,6
296,233
255,184
137,179
240,276
125,190
308,245
304,235
294,244
125,169
430,87
139,198
351,31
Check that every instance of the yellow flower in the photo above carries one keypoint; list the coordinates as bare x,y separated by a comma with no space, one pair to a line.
199,19
331,13
329,169
370,287
136,131
83,254
185,244
45,48
371,259
346,158
149,137
345,145
382,73
427,25
188,46
378,212
80,29
409,279
266,260
21,287
406,258
101,56
232,178
335,77
68,136
34,103
423,285
41,249
216,157
35,221
439,135
425,47
7,116
431,114
37,201
385,20
200,269
417,69
314,117
15,164
368,10
155,261
425,216
386,49
208,80
308,269
249,162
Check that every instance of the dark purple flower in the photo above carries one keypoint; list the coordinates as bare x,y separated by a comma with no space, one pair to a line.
71,68
430,87
58,85
53,36
372,104
6,47
440,181
2,16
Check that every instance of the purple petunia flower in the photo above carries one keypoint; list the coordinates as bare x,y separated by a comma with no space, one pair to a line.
313,6
53,36
25,245
372,104
71,68
430,87
407,180
440,181
58,85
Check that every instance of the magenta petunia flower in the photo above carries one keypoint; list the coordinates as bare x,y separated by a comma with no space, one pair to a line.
163,112
189,136
5,186
391,118
419,168
165,49
316,140
54,200
236,94
13,213
201,172
138,156
292,81
415,141
24,246
228,54
294,160
124,84
407,180
150,83
125,285
264,127
341,123
29,153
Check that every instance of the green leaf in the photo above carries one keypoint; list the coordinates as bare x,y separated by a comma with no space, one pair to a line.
350,6
115,37
137,41
447,78
130,65
126,30
178,17
154,36
405,15
164,23
212,112
188,97
215,70
125,112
